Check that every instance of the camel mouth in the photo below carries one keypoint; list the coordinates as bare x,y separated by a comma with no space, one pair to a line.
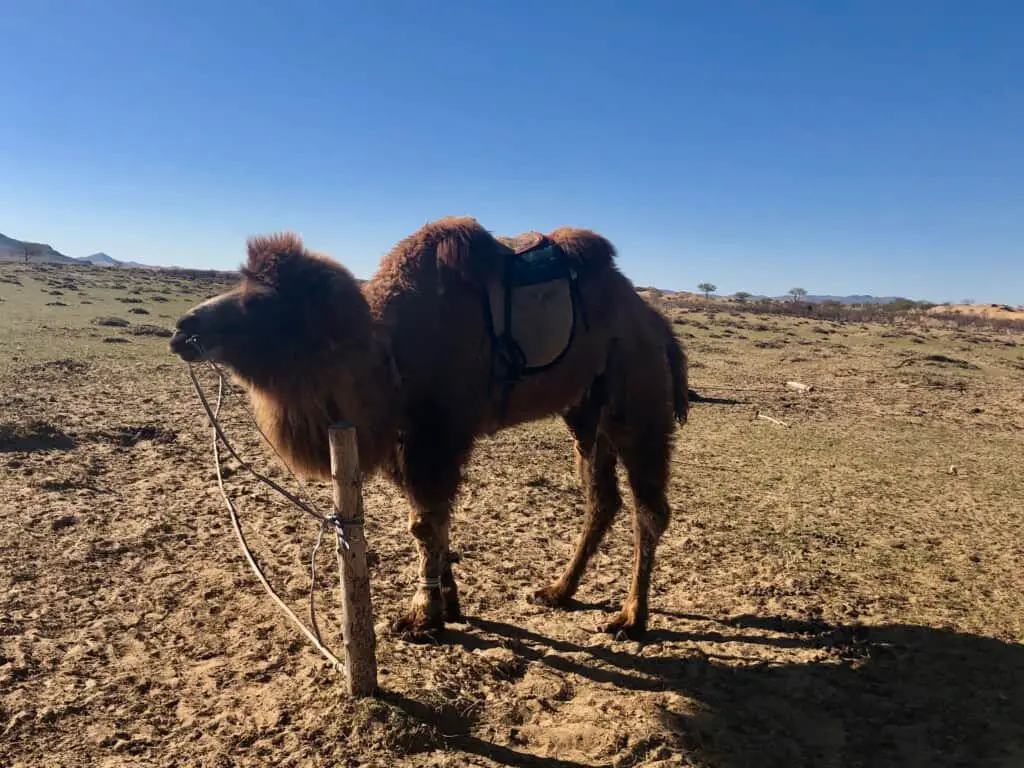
184,346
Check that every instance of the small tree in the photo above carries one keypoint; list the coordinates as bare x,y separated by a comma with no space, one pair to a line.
797,293
707,289
741,296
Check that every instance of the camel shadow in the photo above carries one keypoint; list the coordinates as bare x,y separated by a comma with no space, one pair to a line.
459,738
695,397
890,695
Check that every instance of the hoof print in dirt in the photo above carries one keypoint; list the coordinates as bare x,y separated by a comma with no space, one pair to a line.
32,437
62,522
127,436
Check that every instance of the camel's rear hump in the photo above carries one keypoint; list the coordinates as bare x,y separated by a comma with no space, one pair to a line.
462,244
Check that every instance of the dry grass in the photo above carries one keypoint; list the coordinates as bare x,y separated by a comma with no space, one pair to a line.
845,592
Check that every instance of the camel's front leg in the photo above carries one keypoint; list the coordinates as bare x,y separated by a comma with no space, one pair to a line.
430,468
449,589
426,612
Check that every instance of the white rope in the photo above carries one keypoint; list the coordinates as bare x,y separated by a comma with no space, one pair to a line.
312,636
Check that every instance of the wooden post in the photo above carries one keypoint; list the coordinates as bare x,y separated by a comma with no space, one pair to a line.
360,641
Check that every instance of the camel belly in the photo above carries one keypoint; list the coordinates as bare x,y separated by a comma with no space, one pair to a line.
551,392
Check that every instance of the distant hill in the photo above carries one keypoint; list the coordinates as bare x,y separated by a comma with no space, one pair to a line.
41,253
100,260
104,260
815,299
854,299
857,298
16,250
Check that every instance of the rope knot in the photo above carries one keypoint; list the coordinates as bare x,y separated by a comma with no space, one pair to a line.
341,524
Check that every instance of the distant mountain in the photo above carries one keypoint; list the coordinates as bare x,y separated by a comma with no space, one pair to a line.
100,259
814,299
40,253
854,299
16,250
104,260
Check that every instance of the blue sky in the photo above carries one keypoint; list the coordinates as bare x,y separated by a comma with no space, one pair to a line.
845,147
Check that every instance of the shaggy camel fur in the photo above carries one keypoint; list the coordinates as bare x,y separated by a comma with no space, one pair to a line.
406,359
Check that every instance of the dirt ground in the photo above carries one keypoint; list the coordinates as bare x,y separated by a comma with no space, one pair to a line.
994,311
845,590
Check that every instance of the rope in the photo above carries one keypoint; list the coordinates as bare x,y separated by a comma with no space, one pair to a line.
959,386
218,432
312,583
817,388
325,522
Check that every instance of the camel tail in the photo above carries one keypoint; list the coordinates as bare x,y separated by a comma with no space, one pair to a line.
678,368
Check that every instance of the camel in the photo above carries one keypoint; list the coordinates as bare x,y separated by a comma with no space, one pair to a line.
408,357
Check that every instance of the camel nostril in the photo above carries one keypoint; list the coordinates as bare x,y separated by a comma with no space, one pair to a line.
184,342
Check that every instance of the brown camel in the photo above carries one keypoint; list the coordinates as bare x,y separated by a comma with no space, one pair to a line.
407,358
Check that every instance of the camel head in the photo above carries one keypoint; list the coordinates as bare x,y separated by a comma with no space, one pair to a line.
291,309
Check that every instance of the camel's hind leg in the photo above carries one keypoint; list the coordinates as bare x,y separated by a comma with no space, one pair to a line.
650,520
595,463
640,423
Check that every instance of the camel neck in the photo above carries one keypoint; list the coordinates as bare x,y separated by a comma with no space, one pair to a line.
357,386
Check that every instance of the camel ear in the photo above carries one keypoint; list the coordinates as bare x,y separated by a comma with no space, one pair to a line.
270,257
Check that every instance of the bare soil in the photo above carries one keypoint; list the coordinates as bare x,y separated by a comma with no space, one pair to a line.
998,311
845,590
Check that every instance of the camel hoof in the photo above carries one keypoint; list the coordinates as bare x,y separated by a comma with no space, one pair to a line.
414,627
453,611
454,617
626,627
552,596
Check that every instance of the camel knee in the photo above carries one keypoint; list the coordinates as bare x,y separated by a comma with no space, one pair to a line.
653,516
648,480
605,494
429,525
421,528
656,522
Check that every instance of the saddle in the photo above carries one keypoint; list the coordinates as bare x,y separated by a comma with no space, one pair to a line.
531,307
